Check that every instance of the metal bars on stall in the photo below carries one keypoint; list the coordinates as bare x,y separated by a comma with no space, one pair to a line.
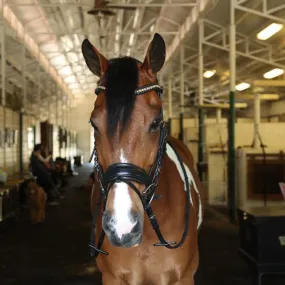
170,115
201,101
182,89
231,120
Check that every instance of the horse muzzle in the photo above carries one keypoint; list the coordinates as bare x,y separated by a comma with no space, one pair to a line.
126,233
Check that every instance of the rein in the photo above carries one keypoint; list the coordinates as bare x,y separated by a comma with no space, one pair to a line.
129,173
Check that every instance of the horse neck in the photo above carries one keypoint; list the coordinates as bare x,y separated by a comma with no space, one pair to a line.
171,189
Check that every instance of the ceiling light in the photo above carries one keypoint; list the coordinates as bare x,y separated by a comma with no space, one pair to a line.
209,73
131,39
151,28
128,52
273,73
242,86
269,31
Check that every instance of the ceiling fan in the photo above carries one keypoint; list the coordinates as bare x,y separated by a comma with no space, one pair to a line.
104,7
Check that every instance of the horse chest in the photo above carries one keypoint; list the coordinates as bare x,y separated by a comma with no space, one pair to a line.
145,267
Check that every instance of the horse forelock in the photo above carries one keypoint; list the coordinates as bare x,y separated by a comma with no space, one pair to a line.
121,80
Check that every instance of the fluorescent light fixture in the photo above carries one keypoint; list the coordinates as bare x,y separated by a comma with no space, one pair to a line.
273,73
152,28
128,52
131,39
137,13
209,73
242,86
269,31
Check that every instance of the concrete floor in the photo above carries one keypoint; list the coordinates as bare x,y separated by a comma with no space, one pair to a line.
57,252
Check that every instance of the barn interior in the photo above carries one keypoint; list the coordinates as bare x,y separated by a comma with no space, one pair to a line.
223,96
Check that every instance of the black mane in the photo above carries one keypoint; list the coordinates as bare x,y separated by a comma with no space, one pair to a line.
121,82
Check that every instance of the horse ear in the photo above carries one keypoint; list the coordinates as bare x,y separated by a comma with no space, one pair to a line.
95,61
155,56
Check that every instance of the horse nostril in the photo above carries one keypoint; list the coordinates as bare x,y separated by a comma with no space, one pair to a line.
108,221
137,228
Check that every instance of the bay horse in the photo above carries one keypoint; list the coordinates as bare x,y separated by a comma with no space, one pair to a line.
147,193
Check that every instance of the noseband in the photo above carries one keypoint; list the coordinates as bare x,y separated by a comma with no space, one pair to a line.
129,173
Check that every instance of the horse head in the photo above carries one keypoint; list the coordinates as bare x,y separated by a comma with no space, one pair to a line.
129,137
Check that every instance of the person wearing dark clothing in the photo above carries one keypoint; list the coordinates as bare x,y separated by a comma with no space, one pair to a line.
39,169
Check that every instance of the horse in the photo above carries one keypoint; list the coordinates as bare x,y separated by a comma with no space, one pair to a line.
147,200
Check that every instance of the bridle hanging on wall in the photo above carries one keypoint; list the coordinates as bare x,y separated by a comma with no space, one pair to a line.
129,173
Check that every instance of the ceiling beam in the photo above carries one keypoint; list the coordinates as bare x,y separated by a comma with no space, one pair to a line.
223,106
33,47
269,83
185,27
90,6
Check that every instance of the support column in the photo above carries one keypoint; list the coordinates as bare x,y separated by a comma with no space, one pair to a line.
201,100
231,119
201,144
3,65
21,164
169,103
24,78
56,107
39,89
256,120
181,135
62,111
218,115
3,81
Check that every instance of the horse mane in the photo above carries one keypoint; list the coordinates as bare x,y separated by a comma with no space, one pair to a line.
121,82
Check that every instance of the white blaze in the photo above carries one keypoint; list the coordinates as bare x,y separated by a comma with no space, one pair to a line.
122,206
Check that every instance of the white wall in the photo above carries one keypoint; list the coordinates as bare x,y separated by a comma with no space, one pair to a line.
276,108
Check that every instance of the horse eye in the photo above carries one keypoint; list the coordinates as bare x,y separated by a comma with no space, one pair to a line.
154,126
94,127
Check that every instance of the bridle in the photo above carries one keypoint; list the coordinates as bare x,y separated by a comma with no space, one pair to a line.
129,173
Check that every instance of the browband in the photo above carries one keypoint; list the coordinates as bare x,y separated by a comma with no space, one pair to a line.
139,91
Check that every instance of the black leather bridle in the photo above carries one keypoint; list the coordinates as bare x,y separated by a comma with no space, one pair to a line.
129,173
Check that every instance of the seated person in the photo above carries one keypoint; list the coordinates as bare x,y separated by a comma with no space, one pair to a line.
39,169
